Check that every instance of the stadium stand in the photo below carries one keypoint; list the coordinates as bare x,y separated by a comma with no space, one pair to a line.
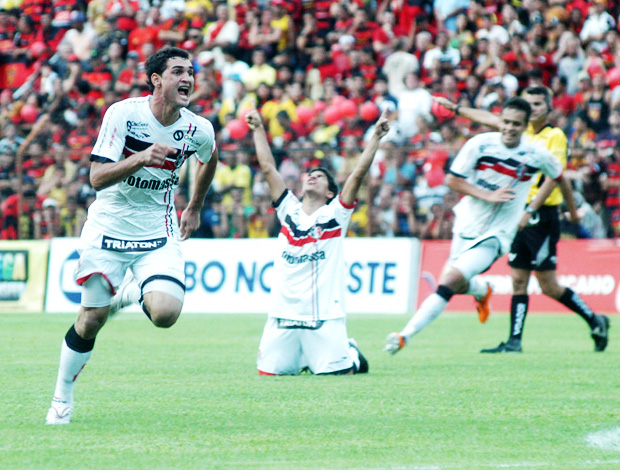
318,71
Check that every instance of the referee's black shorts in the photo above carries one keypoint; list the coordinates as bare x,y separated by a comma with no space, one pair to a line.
535,247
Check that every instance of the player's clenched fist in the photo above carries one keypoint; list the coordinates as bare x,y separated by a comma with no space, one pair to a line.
156,154
253,120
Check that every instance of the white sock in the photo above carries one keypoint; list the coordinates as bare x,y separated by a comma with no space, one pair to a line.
477,287
131,294
71,364
428,311
355,357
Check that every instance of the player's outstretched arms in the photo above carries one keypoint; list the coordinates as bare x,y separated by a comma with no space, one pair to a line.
461,185
354,181
480,116
264,155
190,217
103,175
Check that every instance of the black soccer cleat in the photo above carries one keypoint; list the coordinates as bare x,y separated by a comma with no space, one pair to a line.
600,334
510,346
363,368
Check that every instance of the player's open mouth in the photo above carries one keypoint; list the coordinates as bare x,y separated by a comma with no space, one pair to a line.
184,91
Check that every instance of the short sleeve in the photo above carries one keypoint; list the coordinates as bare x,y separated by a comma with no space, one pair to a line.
208,148
111,139
465,161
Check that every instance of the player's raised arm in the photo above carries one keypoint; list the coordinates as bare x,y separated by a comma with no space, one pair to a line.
264,155
354,181
480,116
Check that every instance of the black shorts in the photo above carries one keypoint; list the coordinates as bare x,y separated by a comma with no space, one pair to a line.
535,247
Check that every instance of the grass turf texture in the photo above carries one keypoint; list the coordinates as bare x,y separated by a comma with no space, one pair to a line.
190,398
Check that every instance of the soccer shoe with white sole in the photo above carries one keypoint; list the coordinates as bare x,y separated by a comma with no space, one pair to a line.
59,413
510,346
120,300
600,334
483,305
363,368
394,343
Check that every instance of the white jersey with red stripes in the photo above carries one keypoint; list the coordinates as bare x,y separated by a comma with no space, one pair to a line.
142,205
309,270
488,164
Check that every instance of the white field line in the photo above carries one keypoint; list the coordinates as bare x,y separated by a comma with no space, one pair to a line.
605,440
586,464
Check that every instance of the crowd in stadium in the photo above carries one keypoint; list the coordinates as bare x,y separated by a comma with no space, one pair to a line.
319,72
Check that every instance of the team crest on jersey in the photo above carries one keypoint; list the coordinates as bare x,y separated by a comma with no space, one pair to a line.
317,232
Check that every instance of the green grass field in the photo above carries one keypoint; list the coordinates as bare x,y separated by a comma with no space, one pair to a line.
190,398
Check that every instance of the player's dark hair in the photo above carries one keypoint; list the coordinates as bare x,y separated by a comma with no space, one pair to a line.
520,105
331,181
158,62
540,90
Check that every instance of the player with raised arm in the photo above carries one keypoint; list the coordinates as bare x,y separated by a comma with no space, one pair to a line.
494,171
535,247
132,224
306,327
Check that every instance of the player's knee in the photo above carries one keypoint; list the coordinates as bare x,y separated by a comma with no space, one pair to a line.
163,310
90,321
552,290
519,286
164,320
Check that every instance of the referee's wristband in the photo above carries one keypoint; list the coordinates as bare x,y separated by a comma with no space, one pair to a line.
530,210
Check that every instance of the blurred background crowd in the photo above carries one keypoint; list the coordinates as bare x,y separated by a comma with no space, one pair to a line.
319,72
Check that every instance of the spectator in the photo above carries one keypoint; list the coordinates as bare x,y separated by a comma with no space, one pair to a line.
11,219
71,218
175,28
263,36
222,33
492,32
232,71
259,72
447,11
121,13
414,101
571,62
47,221
82,37
442,53
233,176
598,22
397,66
596,105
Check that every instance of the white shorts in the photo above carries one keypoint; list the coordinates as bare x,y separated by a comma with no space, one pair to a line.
286,350
473,257
148,260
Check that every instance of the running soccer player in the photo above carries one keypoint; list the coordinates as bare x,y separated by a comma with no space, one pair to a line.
494,171
132,224
535,247
306,326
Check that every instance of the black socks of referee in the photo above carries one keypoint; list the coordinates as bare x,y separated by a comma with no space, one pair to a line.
519,306
518,312
572,300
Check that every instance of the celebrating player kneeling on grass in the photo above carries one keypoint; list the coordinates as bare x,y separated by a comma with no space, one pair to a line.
494,171
306,327
132,225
